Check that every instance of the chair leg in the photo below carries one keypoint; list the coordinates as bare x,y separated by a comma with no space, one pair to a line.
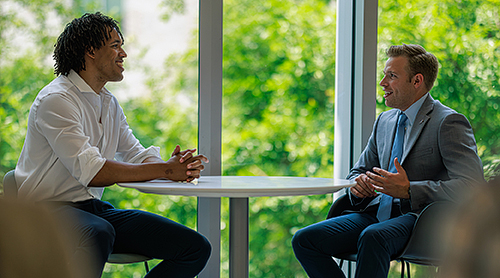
402,269
408,269
146,266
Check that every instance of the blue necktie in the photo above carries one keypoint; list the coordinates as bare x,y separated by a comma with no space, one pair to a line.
385,206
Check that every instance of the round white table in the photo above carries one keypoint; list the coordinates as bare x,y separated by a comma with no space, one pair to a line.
238,189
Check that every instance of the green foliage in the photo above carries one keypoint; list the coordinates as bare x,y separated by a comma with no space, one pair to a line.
465,37
23,69
168,116
273,221
278,69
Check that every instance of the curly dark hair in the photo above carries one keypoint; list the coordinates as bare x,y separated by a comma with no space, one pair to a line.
80,35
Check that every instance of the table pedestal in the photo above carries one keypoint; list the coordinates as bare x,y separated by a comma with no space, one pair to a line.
238,237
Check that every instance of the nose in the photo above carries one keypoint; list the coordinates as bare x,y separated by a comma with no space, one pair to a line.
383,82
122,53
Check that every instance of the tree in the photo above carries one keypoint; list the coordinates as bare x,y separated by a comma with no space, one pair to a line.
465,37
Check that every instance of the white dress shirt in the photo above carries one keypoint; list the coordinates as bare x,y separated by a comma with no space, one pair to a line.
72,131
411,113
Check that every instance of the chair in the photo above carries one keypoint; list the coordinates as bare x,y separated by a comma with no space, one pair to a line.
124,258
426,241
10,191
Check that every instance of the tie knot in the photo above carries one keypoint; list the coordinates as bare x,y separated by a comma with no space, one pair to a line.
402,119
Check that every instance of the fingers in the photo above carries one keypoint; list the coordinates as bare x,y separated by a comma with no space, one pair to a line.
363,187
197,164
399,168
185,157
176,150
193,173
194,163
357,193
202,158
188,150
377,178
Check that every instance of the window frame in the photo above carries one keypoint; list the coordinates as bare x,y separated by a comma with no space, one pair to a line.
356,60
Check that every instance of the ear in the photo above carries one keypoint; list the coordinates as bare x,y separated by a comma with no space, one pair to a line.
418,80
90,52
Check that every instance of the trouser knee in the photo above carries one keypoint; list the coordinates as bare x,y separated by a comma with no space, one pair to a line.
300,239
205,248
370,238
102,236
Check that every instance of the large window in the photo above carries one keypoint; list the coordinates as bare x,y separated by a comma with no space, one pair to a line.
278,107
464,36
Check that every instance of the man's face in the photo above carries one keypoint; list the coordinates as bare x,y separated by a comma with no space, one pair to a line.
109,59
398,88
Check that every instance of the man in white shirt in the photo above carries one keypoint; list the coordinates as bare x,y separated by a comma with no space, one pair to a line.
78,142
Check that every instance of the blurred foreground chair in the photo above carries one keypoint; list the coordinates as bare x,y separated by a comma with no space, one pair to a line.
31,244
10,192
425,245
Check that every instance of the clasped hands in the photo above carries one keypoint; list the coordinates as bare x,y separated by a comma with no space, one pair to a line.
380,180
181,160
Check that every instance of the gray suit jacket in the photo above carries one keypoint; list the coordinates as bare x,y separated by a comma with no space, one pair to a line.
440,157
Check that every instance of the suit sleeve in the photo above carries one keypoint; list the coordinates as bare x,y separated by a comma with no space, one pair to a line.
366,162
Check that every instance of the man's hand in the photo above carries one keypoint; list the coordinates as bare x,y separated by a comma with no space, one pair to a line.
363,187
183,166
186,154
392,184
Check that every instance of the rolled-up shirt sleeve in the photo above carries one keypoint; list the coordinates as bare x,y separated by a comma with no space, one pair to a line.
90,162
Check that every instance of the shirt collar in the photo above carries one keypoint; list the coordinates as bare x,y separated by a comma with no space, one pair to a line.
78,81
412,111
82,86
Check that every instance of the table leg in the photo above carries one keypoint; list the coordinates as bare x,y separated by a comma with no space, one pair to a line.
238,237
209,226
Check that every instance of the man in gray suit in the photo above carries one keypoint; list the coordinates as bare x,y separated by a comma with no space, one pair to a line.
418,153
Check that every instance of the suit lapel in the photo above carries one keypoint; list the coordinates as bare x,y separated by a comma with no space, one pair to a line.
422,117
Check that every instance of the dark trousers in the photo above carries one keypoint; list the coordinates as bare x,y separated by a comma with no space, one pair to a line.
374,242
99,229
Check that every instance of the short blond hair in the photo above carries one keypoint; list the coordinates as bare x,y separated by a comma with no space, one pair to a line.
419,61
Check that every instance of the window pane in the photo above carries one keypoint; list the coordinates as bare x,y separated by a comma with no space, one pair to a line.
278,92
464,36
278,88
160,88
